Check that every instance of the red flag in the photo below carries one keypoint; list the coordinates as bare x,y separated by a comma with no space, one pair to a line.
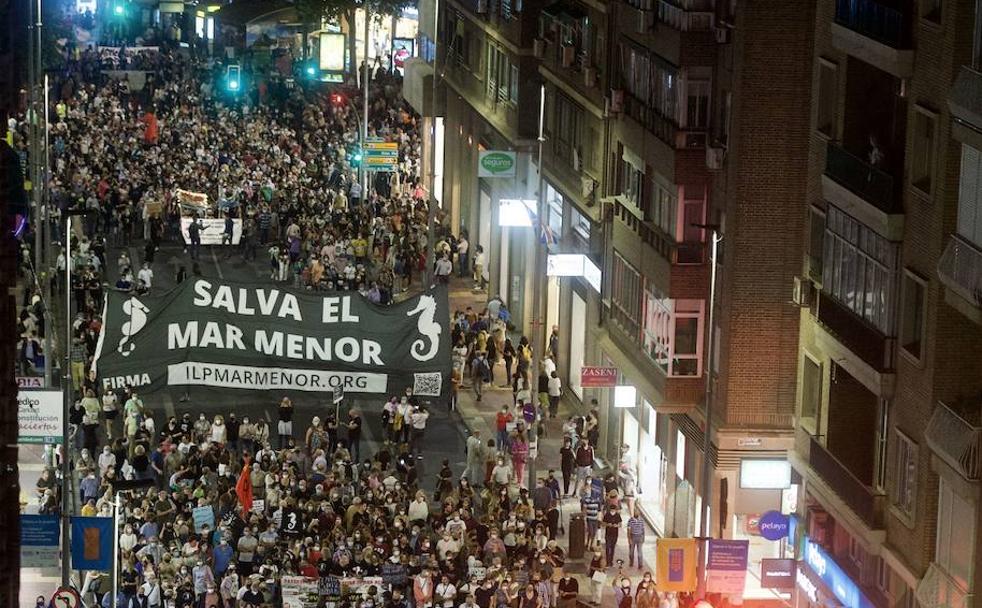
243,489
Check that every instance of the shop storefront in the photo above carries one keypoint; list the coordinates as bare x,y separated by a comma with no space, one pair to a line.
821,582
644,431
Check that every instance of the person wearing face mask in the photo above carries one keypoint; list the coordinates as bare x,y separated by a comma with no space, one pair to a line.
646,595
622,594
598,575
221,556
246,546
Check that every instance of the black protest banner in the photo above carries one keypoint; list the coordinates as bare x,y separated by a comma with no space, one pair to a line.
238,336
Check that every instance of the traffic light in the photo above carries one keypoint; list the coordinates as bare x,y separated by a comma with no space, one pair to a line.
354,156
119,10
311,70
232,78
337,100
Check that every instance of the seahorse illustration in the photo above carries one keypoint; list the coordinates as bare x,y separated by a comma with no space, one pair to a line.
138,318
428,327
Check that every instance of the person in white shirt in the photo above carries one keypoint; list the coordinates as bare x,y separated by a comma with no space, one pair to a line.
479,280
462,248
419,510
446,593
419,418
555,392
442,269
146,275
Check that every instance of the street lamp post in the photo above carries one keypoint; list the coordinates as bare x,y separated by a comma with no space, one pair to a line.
705,531
538,261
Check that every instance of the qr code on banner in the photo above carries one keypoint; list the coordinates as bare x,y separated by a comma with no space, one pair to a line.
428,384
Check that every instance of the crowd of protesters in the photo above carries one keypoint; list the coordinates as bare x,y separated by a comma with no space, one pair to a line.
234,505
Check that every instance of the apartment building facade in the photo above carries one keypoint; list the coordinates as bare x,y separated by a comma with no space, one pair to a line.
889,376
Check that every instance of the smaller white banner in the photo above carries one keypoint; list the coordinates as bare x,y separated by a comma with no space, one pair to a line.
39,416
273,378
212,229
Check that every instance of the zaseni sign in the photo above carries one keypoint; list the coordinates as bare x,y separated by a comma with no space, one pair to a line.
231,335
598,377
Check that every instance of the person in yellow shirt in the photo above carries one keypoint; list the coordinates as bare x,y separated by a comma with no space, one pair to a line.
88,509
360,247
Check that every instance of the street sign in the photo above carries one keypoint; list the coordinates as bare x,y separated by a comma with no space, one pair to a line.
66,597
338,394
381,155
598,377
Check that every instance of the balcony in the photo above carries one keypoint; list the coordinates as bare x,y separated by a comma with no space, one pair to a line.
960,269
954,434
863,500
965,103
865,192
684,16
875,33
938,590
863,340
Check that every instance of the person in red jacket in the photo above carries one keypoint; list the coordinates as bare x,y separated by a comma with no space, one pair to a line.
504,417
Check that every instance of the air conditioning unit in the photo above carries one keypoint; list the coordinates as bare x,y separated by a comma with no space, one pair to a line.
803,292
617,101
645,21
568,56
722,34
539,48
589,76
714,156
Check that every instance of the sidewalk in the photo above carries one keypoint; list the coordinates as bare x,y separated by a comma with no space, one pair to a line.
480,415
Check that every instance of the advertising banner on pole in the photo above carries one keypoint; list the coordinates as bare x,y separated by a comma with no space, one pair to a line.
40,417
726,567
40,541
92,543
239,336
676,564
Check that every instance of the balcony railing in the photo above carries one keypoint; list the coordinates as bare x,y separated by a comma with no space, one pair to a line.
874,348
677,16
864,501
676,252
956,437
861,178
873,20
960,269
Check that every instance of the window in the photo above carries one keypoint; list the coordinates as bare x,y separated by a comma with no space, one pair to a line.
954,548
970,195
680,454
882,575
652,82
625,297
860,269
501,77
828,87
931,10
905,486
816,238
672,333
554,211
458,49
580,223
697,104
632,184
922,160
664,206
811,390
912,314
687,359
857,554
882,433
566,143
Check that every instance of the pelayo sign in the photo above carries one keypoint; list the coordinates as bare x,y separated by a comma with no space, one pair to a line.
229,335
496,163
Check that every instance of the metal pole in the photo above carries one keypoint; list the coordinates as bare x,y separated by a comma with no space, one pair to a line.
117,505
364,127
45,238
705,530
66,470
431,195
538,276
